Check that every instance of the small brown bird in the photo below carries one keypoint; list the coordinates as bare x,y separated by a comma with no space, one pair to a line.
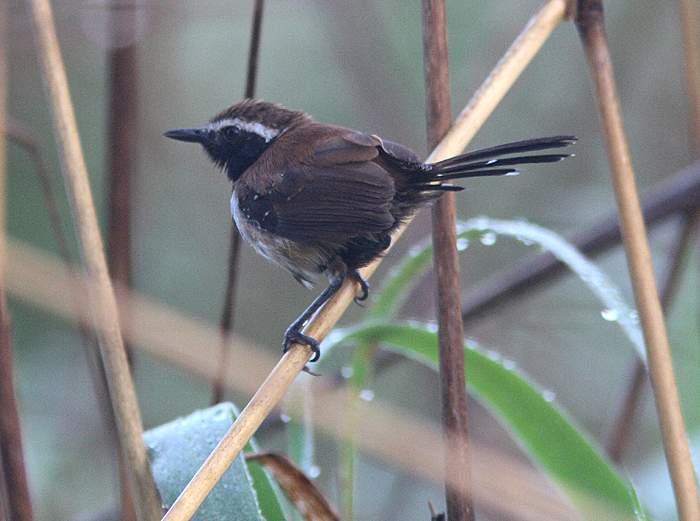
316,198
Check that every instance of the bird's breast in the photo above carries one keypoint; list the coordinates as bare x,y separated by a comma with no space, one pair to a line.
304,260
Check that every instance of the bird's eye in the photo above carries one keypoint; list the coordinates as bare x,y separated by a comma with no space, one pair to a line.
231,132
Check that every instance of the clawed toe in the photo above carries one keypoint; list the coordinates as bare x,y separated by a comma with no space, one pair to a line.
364,287
292,337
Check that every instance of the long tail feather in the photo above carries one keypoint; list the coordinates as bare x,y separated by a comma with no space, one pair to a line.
489,161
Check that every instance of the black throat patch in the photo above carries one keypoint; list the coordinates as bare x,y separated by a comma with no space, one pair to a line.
235,144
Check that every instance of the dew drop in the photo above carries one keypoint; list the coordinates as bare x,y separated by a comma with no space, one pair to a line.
525,240
415,251
346,372
610,315
548,396
488,239
493,355
597,280
285,418
481,223
462,244
367,395
509,364
334,337
314,471
220,414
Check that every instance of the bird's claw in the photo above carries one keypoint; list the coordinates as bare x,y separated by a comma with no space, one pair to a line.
293,336
364,287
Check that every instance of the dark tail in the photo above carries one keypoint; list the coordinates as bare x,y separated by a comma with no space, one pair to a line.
490,161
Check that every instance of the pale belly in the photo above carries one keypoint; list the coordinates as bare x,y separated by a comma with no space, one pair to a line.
305,261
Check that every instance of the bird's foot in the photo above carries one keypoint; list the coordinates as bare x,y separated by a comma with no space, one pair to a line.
364,287
293,336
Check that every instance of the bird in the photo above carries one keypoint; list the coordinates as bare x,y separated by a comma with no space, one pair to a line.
316,198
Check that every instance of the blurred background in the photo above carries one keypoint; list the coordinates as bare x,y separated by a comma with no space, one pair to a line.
360,65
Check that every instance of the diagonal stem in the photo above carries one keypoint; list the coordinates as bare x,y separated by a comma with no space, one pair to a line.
592,31
670,287
102,299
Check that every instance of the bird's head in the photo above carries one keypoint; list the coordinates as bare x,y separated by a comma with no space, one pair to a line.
235,138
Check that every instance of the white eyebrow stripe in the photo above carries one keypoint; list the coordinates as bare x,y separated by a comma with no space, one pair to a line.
249,126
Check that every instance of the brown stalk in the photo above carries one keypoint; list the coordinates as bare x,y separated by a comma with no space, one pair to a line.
306,497
458,474
689,14
592,31
4,500
122,143
669,291
254,51
15,502
227,315
229,308
623,426
454,142
102,298
691,48
26,138
14,475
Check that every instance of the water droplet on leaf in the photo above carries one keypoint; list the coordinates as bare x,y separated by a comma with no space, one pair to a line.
609,314
488,239
367,395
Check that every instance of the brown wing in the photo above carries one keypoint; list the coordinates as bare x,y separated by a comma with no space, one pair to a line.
398,154
347,147
343,195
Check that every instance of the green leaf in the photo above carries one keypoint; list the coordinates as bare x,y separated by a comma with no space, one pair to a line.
642,514
177,450
385,302
388,298
267,492
544,430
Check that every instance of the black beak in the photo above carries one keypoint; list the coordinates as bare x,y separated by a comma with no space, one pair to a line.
193,135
